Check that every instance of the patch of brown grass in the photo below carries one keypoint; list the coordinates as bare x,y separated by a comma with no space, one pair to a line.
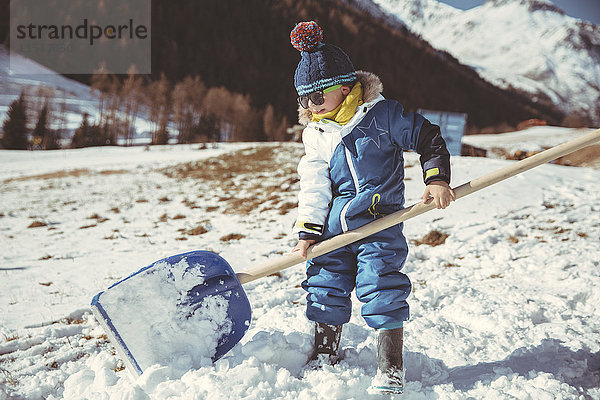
113,172
198,230
232,236
286,207
270,169
72,321
100,219
88,226
64,174
190,204
51,175
37,224
224,167
11,337
433,238
8,377
451,265
559,230
586,157
119,367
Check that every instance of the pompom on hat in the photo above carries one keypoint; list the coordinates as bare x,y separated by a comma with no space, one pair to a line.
321,65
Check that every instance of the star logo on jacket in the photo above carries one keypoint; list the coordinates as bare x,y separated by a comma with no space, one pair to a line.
372,134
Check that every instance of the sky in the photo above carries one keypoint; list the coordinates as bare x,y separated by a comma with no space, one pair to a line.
588,10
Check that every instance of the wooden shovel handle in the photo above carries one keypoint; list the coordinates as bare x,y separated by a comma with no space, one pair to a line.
286,261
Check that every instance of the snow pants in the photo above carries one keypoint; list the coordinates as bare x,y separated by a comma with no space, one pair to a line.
372,265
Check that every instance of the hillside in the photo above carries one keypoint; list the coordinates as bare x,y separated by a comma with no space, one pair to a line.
250,47
530,45
244,46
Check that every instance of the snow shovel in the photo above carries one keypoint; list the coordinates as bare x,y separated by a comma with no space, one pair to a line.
190,308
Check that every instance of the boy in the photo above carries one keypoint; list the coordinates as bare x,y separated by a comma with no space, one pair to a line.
352,173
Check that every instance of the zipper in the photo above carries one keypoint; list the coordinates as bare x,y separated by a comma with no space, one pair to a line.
355,181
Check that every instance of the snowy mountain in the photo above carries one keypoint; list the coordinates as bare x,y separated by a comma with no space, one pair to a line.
23,74
531,45
505,307
71,98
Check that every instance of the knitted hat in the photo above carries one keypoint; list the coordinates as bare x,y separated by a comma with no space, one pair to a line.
322,65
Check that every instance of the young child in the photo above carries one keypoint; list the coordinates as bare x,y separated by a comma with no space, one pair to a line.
351,174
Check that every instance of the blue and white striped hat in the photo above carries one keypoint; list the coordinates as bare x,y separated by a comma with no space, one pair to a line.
322,65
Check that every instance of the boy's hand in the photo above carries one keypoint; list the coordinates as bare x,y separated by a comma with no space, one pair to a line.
303,246
441,192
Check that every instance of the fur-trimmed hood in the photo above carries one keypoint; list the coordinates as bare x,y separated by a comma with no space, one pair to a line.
371,85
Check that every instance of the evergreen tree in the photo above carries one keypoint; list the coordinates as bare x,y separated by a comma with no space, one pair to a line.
50,141
162,136
15,126
80,135
49,136
41,130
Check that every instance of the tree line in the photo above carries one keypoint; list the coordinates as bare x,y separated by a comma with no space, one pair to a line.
245,45
187,111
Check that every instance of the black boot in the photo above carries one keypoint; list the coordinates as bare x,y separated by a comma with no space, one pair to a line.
390,371
327,341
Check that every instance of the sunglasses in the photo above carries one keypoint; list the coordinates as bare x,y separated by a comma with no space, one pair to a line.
316,97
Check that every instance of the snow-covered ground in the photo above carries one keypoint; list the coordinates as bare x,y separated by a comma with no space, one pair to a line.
506,308
533,139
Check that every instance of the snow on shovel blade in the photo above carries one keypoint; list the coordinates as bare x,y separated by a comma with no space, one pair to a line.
185,311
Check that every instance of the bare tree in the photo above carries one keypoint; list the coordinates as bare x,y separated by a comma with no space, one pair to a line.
217,105
269,122
158,98
241,117
187,104
101,83
131,93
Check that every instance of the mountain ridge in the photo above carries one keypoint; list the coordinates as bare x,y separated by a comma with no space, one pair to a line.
244,46
528,45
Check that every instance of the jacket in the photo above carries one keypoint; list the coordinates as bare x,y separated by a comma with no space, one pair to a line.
355,173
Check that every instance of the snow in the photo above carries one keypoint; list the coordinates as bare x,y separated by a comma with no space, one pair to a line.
520,43
19,73
506,308
76,96
140,314
530,140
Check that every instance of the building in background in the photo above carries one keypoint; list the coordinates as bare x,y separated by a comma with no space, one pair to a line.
452,126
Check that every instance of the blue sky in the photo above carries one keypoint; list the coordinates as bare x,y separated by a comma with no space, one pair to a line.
585,9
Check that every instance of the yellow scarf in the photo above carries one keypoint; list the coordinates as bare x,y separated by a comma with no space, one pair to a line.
345,111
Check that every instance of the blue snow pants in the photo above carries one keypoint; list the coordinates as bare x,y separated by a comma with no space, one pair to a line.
372,265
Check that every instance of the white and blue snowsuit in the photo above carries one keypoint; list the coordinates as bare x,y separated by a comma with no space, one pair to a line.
349,176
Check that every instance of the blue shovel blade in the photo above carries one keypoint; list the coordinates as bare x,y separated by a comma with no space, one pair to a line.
221,280
123,309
